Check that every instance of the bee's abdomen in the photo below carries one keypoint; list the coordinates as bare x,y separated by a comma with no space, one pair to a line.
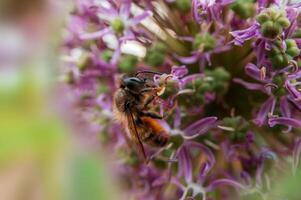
156,134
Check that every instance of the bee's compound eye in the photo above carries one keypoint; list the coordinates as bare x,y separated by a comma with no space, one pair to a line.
133,83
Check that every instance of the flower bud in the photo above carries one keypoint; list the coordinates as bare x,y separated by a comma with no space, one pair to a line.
280,90
127,63
293,52
284,22
297,34
183,5
274,51
244,8
156,55
220,78
84,61
272,22
290,43
270,29
117,25
107,55
279,60
204,42
262,18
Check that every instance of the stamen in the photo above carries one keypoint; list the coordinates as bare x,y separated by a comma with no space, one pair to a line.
226,128
263,71
272,85
294,65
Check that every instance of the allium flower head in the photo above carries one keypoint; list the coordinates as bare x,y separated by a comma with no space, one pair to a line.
222,78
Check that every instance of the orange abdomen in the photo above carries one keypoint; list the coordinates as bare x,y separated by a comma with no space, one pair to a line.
157,134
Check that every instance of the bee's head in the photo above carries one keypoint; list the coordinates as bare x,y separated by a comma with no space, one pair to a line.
134,84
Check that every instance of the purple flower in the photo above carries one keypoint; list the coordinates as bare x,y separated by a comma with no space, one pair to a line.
208,10
118,22
215,140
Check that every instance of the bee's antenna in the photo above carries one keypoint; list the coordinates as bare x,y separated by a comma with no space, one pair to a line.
148,72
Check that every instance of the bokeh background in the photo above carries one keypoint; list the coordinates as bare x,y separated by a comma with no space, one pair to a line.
41,154
45,150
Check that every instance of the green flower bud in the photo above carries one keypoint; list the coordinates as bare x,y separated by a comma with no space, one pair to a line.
221,74
205,86
205,42
280,90
279,60
244,8
293,52
156,55
102,89
127,63
232,121
274,13
107,55
297,34
274,51
270,29
262,18
117,25
84,61
183,5
290,43
155,59
220,79
284,22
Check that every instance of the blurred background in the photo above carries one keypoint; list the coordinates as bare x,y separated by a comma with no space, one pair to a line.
45,152
41,156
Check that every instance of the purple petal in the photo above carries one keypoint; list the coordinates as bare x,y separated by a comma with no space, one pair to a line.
284,107
188,60
190,78
116,55
137,19
195,10
293,91
294,75
179,71
201,126
264,110
95,35
185,165
253,71
250,86
177,119
125,9
246,177
241,36
224,182
204,149
205,168
285,111
284,121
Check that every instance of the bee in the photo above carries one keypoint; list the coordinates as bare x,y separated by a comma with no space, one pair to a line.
133,102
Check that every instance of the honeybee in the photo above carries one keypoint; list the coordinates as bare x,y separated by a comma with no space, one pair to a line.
133,102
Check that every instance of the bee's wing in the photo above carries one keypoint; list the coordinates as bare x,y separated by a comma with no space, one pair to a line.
135,135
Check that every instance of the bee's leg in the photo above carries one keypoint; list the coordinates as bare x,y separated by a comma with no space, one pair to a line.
148,101
152,115
148,89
